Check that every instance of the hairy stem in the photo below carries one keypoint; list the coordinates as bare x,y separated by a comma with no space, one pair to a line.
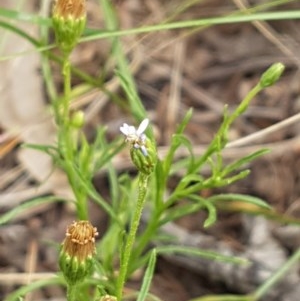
125,258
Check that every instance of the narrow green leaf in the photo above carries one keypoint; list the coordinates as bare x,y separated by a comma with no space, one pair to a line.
209,206
85,156
180,129
4,218
227,181
212,215
110,245
159,186
192,178
235,197
49,149
95,195
19,32
176,142
147,277
123,70
101,156
245,160
23,290
225,298
191,251
266,16
175,213
22,16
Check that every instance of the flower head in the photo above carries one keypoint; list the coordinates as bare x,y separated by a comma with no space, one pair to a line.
143,152
80,240
69,18
136,137
70,8
78,249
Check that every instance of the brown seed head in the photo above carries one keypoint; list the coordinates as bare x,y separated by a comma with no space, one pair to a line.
80,240
70,8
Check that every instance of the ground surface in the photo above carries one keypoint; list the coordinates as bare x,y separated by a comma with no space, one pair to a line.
174,70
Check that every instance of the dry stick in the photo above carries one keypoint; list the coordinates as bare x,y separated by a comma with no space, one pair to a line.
31,263
265,132
173,107
22,278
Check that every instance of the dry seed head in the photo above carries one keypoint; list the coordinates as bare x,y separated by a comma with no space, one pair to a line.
80,240
70,8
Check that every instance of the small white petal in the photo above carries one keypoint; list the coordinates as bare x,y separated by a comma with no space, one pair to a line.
131,130
125,129
142,127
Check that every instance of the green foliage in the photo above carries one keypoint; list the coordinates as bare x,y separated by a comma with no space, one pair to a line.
147,277
122,247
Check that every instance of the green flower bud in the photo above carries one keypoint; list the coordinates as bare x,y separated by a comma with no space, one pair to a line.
77,119
69,18
77,251
142,151
271,75
144,157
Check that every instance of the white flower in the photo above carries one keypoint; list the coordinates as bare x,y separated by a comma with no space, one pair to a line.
136,136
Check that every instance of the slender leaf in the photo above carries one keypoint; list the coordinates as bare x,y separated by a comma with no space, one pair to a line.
6,217
204,203
190,251
147,277
266,16
235,197
225,298
245,160
22,291
175,213
176,142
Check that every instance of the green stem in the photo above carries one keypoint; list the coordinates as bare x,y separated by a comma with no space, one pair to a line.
149,232
71,292
244,104
277,276
66,71
224,127
143,181
66,142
